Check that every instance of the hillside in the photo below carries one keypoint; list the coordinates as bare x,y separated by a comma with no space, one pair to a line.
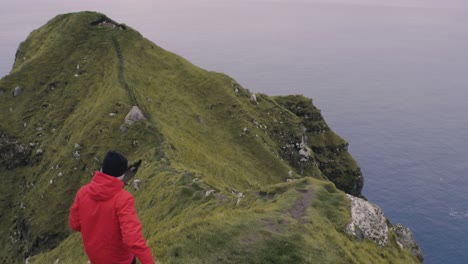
228,176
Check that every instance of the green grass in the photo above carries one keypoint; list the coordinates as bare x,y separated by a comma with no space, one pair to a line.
192,141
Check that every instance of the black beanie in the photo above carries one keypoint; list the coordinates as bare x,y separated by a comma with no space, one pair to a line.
114,164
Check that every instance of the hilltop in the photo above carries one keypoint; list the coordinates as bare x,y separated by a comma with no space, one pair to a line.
228,176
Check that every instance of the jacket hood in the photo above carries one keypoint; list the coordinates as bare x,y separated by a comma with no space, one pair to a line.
103,187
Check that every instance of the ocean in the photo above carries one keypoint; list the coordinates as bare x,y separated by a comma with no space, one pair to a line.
391,77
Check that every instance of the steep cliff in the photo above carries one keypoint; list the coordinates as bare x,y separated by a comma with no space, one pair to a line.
228,176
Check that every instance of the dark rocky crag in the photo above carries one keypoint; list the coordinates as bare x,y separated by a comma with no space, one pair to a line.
258,179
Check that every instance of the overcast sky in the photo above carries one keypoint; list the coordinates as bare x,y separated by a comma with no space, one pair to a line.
186,21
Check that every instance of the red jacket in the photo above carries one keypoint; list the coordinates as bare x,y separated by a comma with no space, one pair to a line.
105,215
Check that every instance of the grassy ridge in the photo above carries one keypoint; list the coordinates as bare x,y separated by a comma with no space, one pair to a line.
202,132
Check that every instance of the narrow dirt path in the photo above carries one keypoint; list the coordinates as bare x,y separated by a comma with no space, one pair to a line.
123,82
298,210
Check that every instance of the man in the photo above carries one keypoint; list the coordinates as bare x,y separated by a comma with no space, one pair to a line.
105,215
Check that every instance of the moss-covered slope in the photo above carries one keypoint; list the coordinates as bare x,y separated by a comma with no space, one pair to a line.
228,176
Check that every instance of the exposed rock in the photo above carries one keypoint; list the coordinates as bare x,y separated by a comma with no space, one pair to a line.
305,151
39,151
136,184
253,98
12,153
104,21
207,193
367,221
239,197
76,154
238,194
406,240
134,115
17,91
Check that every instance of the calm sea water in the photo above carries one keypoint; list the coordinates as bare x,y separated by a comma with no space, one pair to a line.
390,76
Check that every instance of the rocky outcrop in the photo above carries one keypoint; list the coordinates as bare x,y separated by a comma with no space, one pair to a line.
367,221
328,151
406,240
104,21
12,153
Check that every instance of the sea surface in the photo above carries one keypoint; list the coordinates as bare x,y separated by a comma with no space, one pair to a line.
391,77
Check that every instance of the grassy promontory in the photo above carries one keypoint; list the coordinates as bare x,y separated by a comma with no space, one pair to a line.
228,176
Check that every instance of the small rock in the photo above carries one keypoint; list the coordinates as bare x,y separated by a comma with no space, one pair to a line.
32,144
134,115
39,151
77,146
112,114
51,181
60,174
25,125
135,143
207,193
236,90
57,261
291,173
39,128
239,197
17,91
136,184
76,154
253,98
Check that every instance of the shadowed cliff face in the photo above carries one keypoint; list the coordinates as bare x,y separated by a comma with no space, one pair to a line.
227,175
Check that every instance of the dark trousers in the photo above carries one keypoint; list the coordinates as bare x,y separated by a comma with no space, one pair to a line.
134,260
